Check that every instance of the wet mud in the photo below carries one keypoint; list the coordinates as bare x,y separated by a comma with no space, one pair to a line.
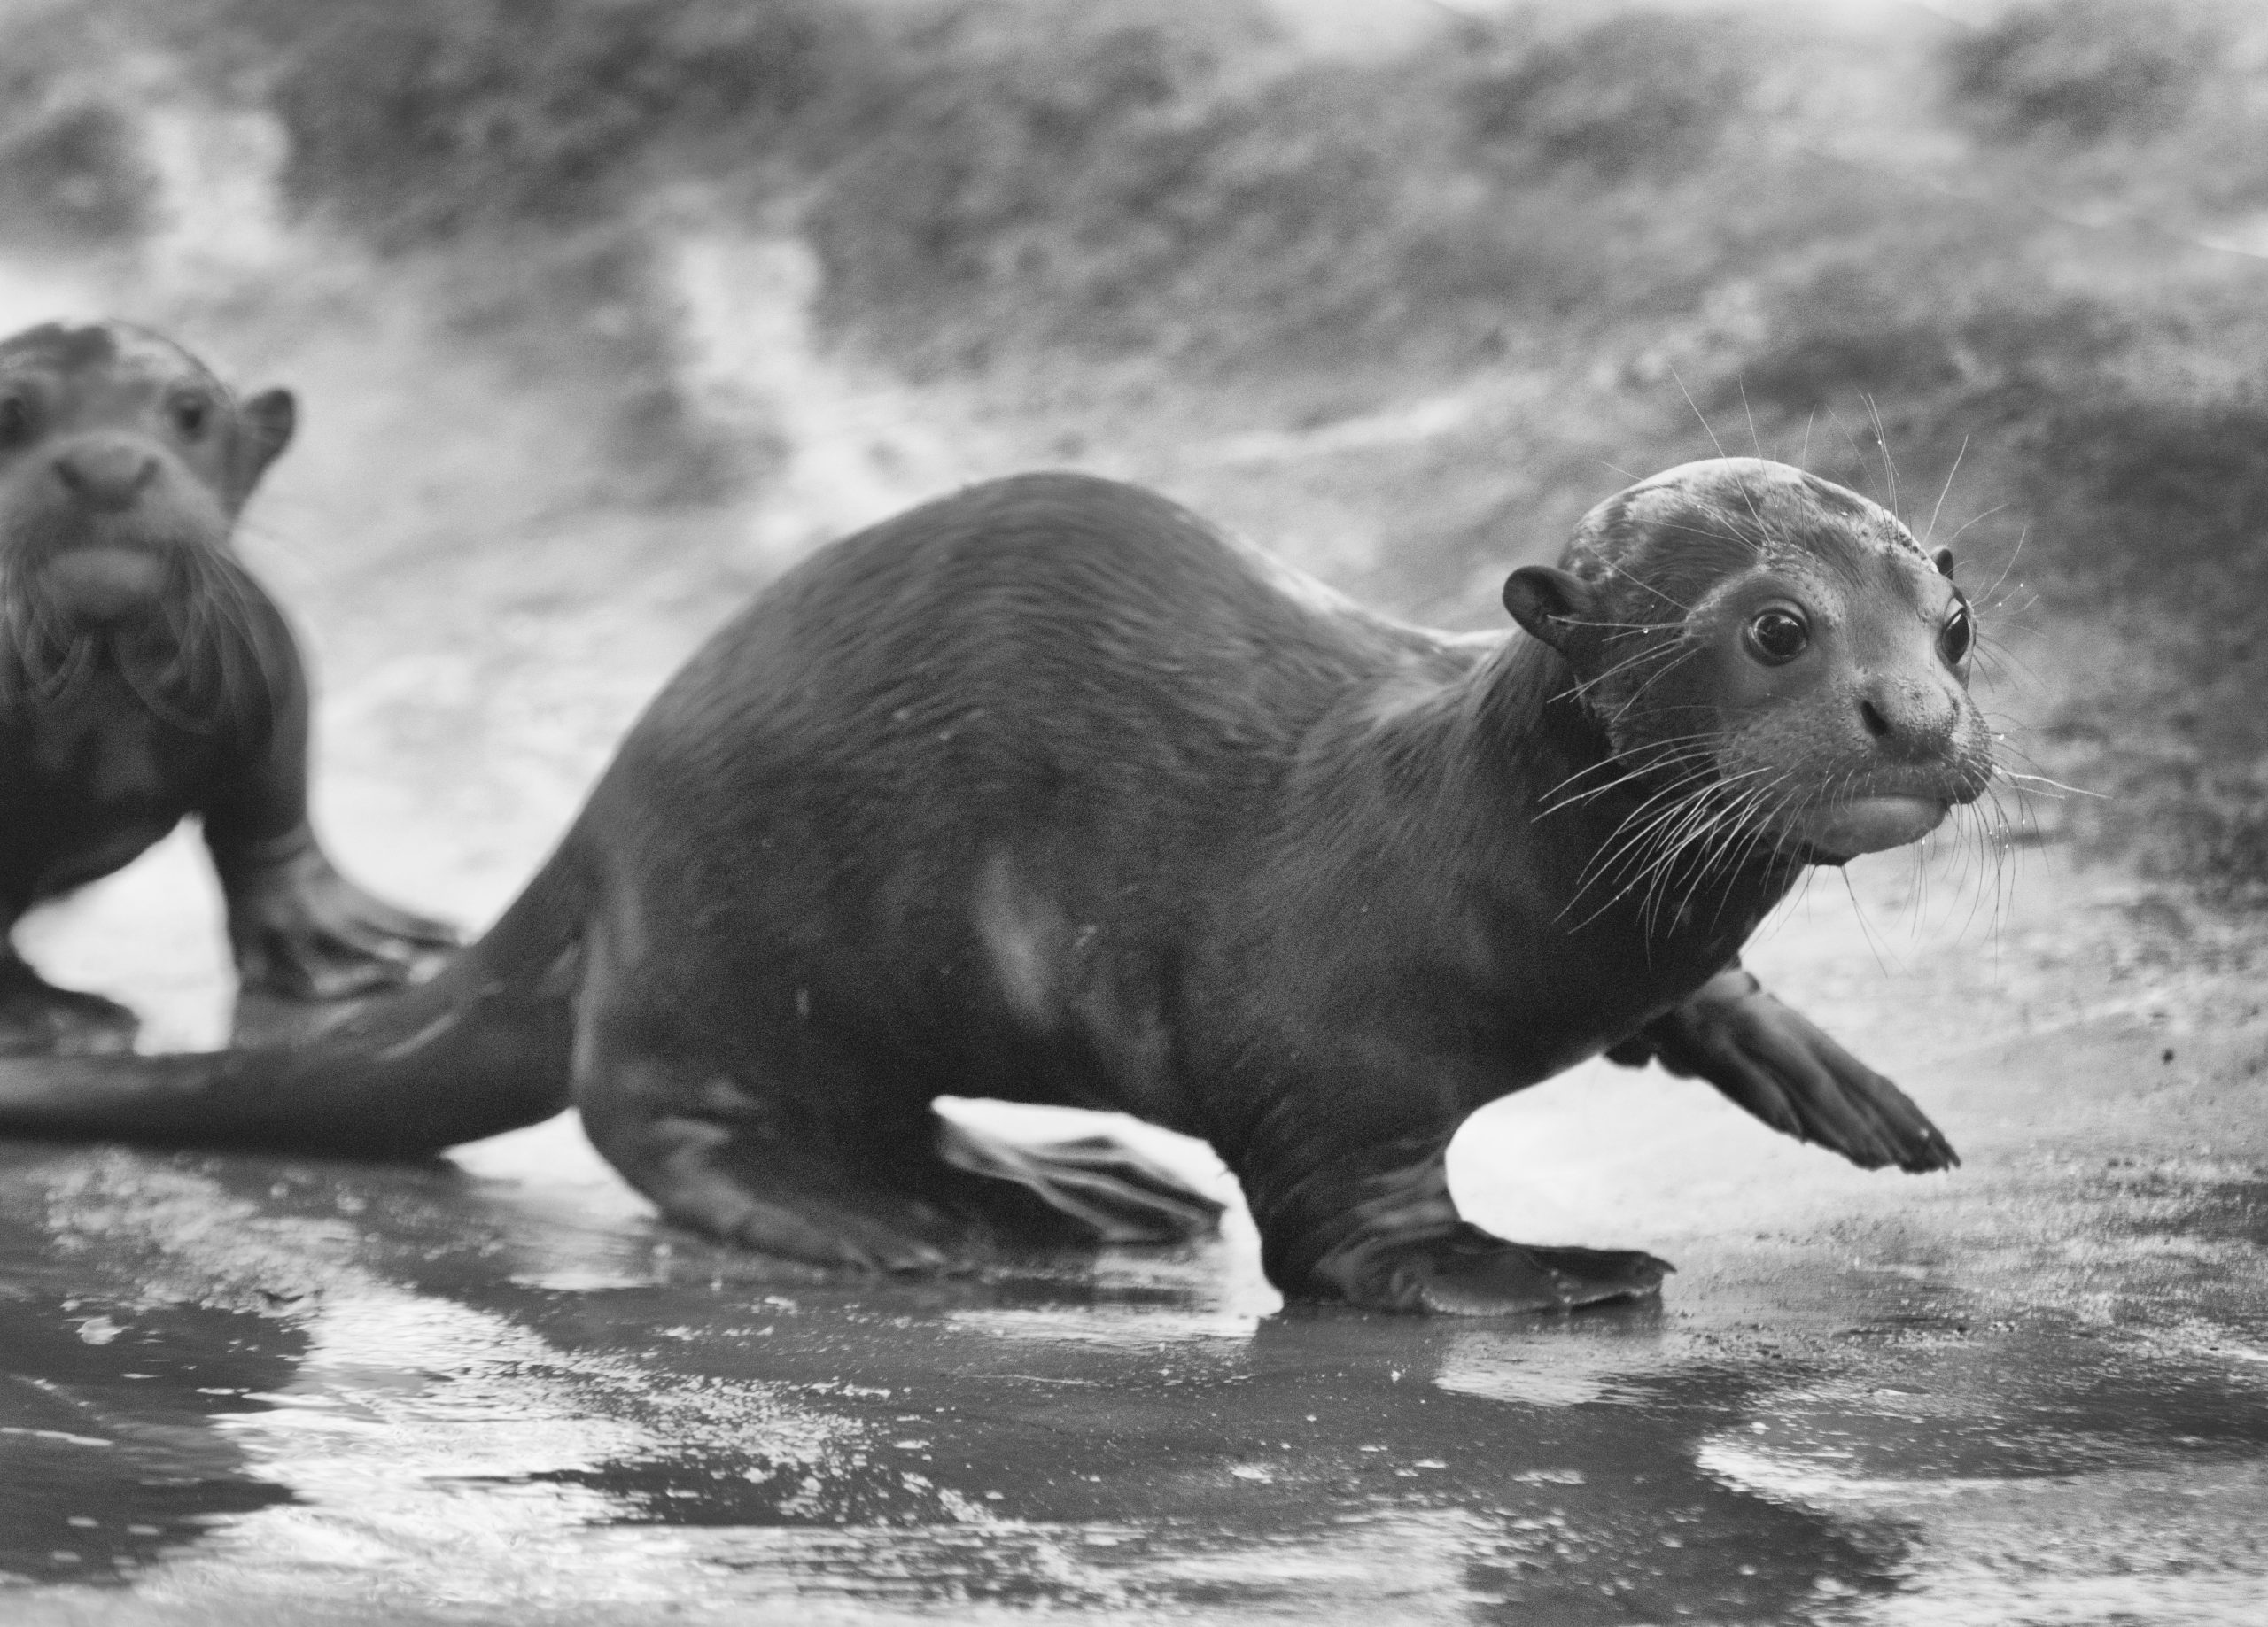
493,1389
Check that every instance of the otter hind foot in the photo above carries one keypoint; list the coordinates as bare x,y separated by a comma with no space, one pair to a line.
39,1019
1092,1190
1510,1280
1470,1273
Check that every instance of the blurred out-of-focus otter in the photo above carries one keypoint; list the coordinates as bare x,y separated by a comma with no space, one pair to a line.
145,675
1048,791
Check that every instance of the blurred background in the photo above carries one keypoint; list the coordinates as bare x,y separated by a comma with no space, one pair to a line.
602,311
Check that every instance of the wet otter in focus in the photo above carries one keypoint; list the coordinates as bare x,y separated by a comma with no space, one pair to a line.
1048,791
145,674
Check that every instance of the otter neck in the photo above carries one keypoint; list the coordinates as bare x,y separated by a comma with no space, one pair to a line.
1541,766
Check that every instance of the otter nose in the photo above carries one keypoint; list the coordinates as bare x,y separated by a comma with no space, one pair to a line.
1909,720
106,476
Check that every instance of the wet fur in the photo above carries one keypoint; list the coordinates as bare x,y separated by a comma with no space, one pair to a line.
1047,791
185,697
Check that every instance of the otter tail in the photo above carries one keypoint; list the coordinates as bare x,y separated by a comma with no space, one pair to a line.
483,1048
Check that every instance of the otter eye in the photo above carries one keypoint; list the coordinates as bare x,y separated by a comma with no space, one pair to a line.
15,420
190,414
1778,636
1959,634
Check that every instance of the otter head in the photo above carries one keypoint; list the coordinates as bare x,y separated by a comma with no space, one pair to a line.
1776,650
123,464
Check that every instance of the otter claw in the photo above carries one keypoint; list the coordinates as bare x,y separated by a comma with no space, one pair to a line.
1774,1063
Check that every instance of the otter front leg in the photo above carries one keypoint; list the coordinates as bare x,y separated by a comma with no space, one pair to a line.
1774,1062
301,931
1361,1213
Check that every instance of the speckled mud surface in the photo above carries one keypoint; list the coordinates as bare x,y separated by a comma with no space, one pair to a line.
250,1389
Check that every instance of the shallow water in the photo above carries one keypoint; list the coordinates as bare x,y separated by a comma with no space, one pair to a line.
493,1389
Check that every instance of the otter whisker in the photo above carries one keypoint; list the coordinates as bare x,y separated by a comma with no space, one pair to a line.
1876,946
1849,439
1626,850
1640,772
240,645
1973,519
1746,497
1881,440
1675,842
153,697
1639,693
1684,852
1697,413
2056,785
1997,850
61,679
2015,553
1652,652
1930,529
1733,536
10,641
1651,815
1654,764
1628,843
1736,837
1743,847
1617,572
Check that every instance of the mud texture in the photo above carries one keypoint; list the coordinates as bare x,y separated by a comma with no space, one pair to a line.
254,1389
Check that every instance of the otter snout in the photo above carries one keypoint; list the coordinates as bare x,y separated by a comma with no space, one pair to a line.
104,583
107,473
1911,720
1860,824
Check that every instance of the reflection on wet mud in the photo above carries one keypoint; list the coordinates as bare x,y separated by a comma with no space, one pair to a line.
108,1452
495,1388
1120,1436
1033,1442
1123,1436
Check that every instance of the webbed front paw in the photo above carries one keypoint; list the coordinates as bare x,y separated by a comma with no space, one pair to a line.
304,932
1774,1062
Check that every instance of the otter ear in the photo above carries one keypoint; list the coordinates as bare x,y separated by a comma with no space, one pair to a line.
1943,560
1549,603
269,418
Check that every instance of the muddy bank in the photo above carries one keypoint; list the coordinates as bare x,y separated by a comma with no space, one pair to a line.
2036,1389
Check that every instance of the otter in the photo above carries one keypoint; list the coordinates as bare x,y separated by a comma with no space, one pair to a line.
145,675
1049,791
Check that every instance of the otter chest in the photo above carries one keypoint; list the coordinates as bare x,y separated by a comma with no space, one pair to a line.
87,785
